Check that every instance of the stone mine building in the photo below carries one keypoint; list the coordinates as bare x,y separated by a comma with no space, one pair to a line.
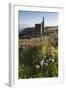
39,30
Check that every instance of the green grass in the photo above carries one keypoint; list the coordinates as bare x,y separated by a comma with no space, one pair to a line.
35,50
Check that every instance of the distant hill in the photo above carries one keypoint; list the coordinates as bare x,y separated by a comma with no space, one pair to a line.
29,31
26,31
51,27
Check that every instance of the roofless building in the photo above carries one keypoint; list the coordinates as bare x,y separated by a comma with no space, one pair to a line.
39,28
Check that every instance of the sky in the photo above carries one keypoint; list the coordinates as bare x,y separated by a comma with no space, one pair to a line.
30,18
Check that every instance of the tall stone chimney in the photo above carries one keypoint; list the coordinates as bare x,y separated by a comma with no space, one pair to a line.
43,26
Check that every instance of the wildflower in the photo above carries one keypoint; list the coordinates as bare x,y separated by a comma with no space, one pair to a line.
46,64
37,66
52,60
43,59
52,54
41,62
44,56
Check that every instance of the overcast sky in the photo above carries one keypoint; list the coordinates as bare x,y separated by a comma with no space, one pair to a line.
30,18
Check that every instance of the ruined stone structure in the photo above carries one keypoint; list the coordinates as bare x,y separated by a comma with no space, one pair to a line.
39,30
42,26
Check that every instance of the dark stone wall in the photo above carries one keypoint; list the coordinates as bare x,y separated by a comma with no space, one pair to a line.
38,29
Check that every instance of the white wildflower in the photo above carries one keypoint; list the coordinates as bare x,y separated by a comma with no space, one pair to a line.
41,62
52,60
52,54
44,56
46,64
37,66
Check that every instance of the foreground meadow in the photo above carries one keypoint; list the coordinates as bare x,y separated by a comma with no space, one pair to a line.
38,57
